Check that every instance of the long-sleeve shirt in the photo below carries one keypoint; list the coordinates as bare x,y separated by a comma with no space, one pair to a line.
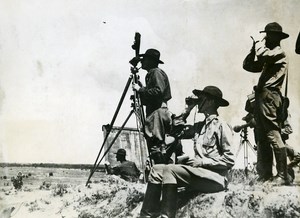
272,63
213,139
156,91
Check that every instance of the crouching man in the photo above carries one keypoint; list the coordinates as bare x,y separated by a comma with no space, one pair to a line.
206,171
127,170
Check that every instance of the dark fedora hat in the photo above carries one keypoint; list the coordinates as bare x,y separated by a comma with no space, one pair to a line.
213,92
121,152
275,28
153,54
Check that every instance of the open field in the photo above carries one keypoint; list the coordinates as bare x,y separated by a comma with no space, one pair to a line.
64,195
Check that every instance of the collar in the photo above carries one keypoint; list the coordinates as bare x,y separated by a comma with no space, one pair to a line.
210,118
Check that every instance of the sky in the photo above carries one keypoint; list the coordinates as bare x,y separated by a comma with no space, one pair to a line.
64,65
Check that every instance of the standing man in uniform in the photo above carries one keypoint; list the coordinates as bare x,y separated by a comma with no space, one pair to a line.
205,171
155,96
268,58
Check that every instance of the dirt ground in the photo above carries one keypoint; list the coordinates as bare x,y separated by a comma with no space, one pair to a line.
64,195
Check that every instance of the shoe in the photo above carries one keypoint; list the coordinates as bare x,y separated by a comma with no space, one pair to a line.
278,181
295,161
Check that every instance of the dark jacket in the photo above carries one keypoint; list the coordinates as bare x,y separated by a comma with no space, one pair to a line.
156,91
127,170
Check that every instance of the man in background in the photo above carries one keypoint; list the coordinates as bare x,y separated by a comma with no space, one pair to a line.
286,130
127,170
268,58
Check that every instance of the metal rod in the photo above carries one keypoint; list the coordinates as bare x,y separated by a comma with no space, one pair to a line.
110,126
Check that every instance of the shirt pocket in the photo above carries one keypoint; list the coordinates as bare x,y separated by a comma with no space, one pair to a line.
209,143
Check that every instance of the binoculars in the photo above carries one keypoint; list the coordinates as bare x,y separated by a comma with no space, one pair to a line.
192,100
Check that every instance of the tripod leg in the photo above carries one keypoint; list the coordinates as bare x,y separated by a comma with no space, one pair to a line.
110,127
239,149
251,146
245,158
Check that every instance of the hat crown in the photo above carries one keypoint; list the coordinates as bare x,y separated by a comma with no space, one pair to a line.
121,151
273,27
214,91
153,53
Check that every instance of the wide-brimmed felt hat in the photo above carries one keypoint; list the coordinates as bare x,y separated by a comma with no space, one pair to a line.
275,28
153,54
121,151
213,92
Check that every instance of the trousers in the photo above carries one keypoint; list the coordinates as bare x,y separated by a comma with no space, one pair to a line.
198,179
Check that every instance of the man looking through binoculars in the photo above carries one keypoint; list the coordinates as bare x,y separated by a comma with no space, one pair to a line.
206,170
155,96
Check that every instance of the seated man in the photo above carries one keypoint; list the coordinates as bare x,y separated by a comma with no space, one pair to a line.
127,170
204,172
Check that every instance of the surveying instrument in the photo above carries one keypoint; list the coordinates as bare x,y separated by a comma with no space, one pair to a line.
245,143
136,105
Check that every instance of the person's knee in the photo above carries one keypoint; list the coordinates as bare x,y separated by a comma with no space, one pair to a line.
156,174
274,138
169,175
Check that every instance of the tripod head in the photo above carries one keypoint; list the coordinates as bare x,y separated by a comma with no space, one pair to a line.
136,47
239,128
243,129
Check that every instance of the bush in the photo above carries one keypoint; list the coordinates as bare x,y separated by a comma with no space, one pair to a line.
17,182
60,190
45,185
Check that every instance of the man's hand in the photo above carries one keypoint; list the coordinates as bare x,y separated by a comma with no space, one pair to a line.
194,162
136,87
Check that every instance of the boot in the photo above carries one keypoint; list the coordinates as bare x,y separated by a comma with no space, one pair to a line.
169,201
151,203
282,177
295,161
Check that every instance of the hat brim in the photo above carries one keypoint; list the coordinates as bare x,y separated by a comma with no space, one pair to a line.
222,102
145,55
120,154
283,35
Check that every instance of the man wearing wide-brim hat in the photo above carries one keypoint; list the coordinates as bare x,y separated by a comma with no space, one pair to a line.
155,95
206,170
268,58
127,170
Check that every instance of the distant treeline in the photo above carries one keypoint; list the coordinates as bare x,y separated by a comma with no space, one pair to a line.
52,165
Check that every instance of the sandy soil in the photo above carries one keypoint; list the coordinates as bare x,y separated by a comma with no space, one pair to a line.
109,196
